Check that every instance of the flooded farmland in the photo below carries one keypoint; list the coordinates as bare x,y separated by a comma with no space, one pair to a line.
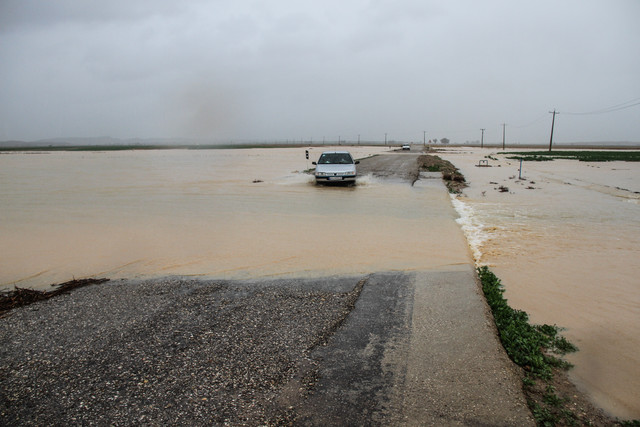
565,241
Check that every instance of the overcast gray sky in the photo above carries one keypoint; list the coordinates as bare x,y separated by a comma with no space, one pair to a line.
301,69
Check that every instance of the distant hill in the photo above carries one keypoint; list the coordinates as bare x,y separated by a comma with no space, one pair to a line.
101,140
603,144
15,144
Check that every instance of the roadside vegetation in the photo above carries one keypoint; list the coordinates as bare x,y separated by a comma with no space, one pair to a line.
582,156
538,350
453,179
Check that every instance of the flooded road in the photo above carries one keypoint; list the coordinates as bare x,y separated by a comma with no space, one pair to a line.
200,213
566,249
565,241
398,343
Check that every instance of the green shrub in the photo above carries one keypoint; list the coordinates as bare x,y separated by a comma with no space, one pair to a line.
523,342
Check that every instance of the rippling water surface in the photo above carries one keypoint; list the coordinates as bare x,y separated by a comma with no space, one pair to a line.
199,212
565,240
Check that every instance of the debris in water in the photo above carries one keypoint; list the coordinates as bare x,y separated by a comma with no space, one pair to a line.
22,296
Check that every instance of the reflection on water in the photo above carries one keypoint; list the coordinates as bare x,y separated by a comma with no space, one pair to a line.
199,212
567,251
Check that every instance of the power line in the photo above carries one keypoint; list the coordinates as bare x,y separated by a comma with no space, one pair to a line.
539,119
618,107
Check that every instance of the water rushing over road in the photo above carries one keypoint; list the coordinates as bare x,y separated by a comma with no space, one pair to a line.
565,240
199,212
566,249
406,338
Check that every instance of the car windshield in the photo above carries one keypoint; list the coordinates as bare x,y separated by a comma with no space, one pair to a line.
335,159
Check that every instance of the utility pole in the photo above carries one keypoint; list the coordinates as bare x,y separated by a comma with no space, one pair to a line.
385,139
553,121
482,139
424,138
503,126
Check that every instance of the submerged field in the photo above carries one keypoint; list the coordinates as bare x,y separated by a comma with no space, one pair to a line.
564,238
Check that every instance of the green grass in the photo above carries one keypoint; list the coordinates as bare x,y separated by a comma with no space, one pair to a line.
532,347
525,343
536,348
583,156
453,179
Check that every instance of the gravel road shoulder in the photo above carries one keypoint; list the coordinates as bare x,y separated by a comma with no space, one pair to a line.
390,347
167,351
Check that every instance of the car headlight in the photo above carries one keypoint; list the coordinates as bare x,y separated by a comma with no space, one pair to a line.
321,173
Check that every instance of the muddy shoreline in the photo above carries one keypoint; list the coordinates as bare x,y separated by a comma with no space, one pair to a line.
19,297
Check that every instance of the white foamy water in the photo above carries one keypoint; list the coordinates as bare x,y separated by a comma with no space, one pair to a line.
565,241
470,223
199,212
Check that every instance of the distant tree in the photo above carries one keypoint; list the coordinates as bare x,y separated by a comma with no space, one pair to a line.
444,140
435,140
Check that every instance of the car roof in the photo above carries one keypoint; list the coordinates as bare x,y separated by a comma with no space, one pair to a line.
336,152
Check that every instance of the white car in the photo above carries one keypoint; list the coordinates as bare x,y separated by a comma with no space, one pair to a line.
335,167
406,147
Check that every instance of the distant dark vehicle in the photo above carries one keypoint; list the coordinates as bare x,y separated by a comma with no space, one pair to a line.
335,167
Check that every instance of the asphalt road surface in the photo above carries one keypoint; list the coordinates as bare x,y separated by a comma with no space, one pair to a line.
389,348
401,165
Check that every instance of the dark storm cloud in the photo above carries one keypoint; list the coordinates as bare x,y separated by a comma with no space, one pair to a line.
303,69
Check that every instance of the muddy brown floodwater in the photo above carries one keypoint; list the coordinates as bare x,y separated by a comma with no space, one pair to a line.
200,213
565,241
566,248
